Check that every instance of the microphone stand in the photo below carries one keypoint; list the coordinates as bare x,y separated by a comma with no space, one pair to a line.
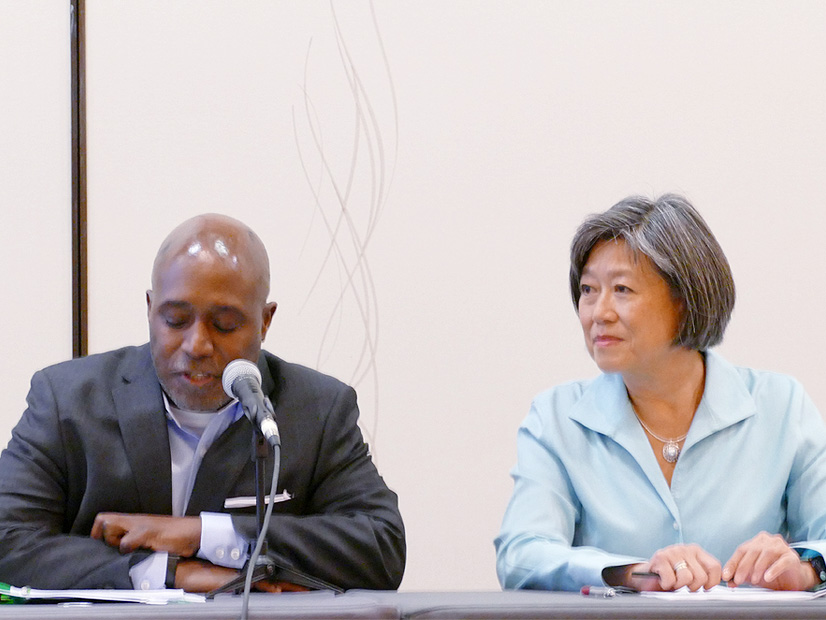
264,567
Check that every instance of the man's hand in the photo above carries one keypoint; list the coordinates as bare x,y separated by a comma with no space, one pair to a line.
201,576
128,532
278,586
767,561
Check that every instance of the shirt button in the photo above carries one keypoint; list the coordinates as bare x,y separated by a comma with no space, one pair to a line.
235,554
219,553
676,526
145,585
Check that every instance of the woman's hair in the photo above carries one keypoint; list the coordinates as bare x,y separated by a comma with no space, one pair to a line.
680,245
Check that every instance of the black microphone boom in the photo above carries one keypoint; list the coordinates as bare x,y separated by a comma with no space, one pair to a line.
242,380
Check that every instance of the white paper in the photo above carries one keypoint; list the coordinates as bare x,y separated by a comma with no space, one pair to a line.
150,597
724,593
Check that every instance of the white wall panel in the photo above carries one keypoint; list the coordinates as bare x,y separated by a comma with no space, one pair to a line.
35,195
417,170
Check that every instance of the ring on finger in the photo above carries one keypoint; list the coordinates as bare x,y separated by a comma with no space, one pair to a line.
680,566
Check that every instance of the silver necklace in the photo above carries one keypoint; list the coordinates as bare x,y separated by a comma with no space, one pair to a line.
671,447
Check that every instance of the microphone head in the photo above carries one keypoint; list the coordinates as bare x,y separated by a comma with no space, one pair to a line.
237,369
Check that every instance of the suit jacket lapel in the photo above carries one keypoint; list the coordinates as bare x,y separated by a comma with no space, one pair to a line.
221,468
224,463
140,410
267,380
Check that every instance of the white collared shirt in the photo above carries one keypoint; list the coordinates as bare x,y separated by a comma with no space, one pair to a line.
589,493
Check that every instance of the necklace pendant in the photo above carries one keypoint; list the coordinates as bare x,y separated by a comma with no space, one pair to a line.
671,451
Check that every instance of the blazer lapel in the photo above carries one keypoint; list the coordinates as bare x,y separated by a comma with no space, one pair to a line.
267,380
223,464
140,410
221,468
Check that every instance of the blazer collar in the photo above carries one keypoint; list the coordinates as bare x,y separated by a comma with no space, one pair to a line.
140,412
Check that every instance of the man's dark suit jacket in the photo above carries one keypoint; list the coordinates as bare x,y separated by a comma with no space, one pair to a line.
94,439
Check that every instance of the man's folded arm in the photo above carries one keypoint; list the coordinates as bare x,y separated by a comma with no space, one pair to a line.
36,546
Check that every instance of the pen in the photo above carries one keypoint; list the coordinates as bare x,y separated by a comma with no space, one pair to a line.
604,592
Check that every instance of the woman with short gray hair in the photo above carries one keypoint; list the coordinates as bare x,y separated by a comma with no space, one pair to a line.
623,479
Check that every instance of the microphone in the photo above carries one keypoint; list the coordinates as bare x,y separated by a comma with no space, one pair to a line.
242,380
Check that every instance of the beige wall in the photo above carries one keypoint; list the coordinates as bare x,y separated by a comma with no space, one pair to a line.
464,165
35,195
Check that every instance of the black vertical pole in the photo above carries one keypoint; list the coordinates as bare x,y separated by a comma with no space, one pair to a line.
80,335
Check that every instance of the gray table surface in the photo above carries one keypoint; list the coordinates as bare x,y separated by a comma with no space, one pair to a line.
366,604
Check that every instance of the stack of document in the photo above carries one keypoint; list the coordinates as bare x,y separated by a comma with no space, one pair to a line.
13,594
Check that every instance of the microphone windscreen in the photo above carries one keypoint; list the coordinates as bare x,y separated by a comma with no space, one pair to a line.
237,369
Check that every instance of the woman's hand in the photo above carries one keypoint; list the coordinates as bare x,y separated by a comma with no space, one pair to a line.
685,565
671,568
767,561
678,566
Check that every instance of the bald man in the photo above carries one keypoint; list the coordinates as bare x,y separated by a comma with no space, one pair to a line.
126,468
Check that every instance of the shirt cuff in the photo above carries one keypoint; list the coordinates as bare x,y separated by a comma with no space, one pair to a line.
150,573
220,543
